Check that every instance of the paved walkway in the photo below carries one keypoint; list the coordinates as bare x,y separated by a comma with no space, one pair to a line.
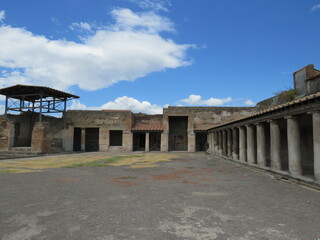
185,196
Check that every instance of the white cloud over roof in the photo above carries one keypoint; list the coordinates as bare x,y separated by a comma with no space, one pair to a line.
249,103
125,51
196,100
122,103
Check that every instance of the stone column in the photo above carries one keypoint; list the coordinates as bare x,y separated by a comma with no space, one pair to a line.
250,144
83,139
261,145
147,142
127,142
67,140
164,142
224,143
275,145
220,142
316,144
103,139
215,143
40,141
235,145
191,142
294,146
211,142
242,144
229,144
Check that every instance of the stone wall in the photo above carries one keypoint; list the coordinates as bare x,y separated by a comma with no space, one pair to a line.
201,118
105,121
147,119
6,133
313,84
25,123
114,120
41,141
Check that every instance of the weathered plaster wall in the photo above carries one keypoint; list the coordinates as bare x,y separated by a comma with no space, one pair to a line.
6,133
25,123
147,119
313,85
201,118
41,141
105,121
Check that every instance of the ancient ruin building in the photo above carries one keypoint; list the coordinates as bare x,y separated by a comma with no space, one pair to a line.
281,134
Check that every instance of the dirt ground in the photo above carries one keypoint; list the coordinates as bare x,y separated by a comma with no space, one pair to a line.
150,196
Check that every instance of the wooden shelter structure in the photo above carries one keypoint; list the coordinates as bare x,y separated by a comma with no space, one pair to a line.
25,98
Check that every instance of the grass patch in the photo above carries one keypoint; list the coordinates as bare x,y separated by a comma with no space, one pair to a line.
39,164
102,162
7,170
15,170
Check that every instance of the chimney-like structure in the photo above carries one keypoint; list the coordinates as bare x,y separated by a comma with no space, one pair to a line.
307,80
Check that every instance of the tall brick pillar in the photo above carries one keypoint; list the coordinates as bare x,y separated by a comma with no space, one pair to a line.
41,141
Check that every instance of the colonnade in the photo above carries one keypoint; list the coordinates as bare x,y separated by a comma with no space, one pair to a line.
289,145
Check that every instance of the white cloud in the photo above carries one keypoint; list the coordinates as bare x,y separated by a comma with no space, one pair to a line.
249,103
125,51
134,105
144,22
122,103
155,5
196,100
315,7
81,26
2,15
77,105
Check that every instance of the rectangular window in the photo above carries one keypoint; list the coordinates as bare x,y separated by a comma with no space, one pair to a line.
115,138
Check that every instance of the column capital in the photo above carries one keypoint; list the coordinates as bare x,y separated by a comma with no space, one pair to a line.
273,120
313,112
290,117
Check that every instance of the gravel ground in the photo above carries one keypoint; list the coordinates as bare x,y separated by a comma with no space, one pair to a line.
195,196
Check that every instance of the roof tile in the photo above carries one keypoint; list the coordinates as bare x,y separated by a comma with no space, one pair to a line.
148,127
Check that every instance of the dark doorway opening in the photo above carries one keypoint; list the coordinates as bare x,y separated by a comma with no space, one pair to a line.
139,141
201,141
284,144
267,146
178,135
77,139
92,139
306,144
115,138
155,141
23,130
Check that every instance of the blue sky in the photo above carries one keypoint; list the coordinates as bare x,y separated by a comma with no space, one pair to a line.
144,55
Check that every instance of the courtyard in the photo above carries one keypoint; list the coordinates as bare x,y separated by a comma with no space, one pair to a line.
115,196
